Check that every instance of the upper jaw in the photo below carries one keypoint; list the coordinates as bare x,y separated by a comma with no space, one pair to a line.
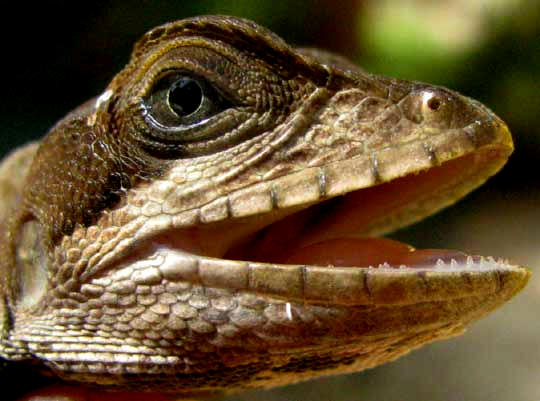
368,194
303,209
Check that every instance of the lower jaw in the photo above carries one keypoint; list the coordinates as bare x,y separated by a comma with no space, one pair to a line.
429,275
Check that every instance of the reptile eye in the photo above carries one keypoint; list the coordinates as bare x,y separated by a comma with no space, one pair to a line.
179,103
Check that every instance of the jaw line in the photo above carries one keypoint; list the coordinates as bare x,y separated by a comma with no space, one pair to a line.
353,286
456,175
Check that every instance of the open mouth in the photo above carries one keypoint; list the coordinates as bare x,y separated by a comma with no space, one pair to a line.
330,251
291,271
294,242
338,232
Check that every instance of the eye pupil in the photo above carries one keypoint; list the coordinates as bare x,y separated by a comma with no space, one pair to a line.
185,96
434,104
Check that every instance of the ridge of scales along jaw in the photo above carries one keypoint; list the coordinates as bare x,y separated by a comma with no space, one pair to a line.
312,243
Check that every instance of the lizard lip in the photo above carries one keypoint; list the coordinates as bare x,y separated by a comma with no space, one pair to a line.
372,252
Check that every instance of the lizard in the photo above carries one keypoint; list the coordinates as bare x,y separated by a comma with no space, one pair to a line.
212,221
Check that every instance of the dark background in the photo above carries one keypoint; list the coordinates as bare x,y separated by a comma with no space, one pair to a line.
57,55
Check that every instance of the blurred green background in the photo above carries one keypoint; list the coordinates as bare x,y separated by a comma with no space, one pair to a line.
58,54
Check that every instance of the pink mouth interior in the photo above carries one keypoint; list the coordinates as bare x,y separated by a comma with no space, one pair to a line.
331,233
335,232
364,252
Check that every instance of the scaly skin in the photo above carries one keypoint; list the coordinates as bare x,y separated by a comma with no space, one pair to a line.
146,247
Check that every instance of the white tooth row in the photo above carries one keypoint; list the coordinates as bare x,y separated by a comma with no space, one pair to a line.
481,263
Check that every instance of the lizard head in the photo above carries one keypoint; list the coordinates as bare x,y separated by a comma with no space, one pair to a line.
209,222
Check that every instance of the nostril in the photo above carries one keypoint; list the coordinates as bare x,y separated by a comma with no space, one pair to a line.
432,100
434,103
430,106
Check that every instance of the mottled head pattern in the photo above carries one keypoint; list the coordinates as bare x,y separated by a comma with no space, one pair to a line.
204,148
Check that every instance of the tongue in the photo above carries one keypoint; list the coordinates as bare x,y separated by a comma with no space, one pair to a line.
365,252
